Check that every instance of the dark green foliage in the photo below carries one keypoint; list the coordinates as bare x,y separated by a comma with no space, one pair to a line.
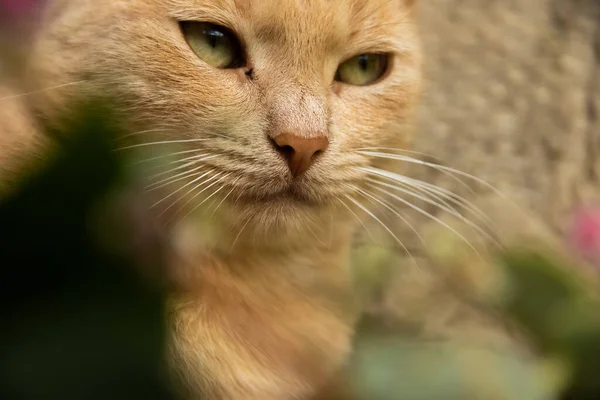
553,303
561,313
76,321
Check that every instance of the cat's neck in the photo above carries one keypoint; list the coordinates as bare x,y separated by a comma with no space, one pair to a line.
310,253
284,295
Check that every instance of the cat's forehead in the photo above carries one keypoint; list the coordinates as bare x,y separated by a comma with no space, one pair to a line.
356,9
281,19
315,11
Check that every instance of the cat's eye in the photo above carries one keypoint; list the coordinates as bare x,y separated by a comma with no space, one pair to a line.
215,45
363,69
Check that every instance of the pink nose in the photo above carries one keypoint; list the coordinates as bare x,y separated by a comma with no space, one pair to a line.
300,152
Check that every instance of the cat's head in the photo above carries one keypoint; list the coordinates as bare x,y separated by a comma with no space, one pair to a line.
266,101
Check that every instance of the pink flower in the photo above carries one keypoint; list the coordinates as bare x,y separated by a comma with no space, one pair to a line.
18,11
584,234
18,7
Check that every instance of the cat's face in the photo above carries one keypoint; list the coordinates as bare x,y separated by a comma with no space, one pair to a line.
241,75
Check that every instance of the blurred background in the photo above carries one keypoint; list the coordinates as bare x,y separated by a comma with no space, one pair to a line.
512,96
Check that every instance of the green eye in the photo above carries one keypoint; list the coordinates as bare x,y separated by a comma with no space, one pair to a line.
215,45
363,69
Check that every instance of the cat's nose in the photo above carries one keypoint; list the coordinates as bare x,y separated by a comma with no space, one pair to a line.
300,152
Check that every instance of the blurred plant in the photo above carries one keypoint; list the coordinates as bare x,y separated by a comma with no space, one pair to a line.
19,9
18,21
558,305
548,303
77,321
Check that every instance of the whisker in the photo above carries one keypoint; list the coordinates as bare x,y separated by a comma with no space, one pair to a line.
398,157
181,188
223,201
208,207
198,193
377,148
451,211
439,160
319,231
202,157
135,146
421,190
433,217
16,96
386,205
166,129
313,233
209,197
166,155
238,236
218,135
172,179
192,190
186,165
215,200
140,133
366,210
357,218
444,168
444,194
331,230
436,191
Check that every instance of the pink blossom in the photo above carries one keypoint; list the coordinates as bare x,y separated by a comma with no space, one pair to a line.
584,234
18,9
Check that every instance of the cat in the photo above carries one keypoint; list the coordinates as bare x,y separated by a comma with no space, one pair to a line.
270,102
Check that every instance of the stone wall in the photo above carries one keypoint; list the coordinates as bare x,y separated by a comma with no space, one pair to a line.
513,97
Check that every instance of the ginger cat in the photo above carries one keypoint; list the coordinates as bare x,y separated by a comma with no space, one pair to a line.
270,102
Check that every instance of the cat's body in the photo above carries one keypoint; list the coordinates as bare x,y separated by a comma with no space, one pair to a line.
262,305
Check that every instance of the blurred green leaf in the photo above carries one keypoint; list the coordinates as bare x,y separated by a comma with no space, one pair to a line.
555,305
396,368
77,322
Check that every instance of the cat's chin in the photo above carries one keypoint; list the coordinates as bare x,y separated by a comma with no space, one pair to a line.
294,194
293,199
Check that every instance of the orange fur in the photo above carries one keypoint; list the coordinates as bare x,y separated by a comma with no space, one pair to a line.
262,304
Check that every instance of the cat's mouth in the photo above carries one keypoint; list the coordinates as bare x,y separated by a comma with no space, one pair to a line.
290,196
296,196
293,195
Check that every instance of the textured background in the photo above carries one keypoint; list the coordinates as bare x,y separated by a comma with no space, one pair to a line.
513,97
